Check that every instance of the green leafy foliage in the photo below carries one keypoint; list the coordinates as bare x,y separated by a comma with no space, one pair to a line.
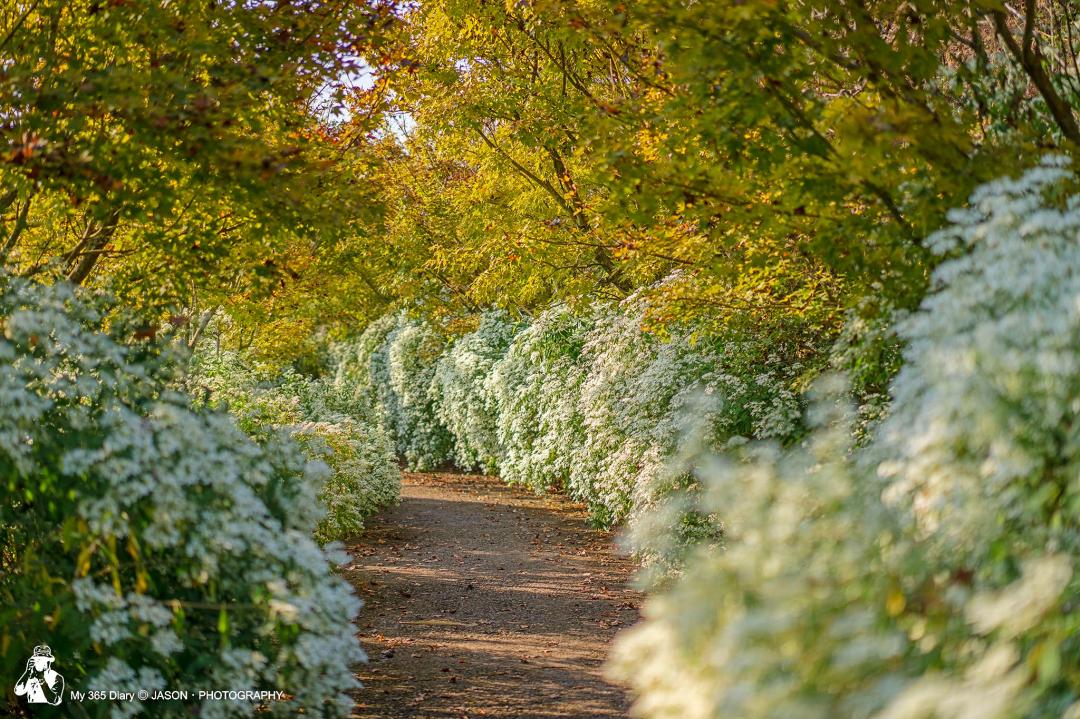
788,156
185,153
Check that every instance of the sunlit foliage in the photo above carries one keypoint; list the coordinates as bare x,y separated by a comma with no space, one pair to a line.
184,153
790,157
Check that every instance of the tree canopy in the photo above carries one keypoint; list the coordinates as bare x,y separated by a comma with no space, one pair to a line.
297,165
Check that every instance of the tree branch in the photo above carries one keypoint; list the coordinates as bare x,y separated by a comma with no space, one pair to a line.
1031,60
98,235
17,230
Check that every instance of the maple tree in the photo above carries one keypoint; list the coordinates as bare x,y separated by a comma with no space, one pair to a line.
297,165
786,157
183,154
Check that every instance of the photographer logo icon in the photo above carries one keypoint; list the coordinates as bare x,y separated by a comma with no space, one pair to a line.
39,683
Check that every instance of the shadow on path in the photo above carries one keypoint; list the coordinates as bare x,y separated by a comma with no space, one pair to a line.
485,601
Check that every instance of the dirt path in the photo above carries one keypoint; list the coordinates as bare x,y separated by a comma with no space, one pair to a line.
486,601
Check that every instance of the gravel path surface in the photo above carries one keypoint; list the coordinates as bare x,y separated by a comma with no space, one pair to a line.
483,600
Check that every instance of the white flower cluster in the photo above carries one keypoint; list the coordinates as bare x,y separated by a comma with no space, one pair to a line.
330,423
535,388
590,403
154,541
638,391
463,403
983,436
751,628
930,573
392,365
597,405
364,476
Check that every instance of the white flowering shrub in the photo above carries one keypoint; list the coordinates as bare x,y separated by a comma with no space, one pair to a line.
589,403
392,365
821,603
464,403
329,422
360,366
534,388
364,476
983,441
637,392
933,572
613,451
745,630
150,542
